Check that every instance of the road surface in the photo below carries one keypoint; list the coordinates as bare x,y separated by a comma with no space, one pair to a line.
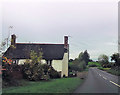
99,81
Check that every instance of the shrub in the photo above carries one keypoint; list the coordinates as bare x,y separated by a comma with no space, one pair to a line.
45,68
75,67
83,64
53,73
46,77
39,72
9,76
13,82
33,72
78,65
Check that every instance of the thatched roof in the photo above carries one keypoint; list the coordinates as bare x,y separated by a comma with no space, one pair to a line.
22,51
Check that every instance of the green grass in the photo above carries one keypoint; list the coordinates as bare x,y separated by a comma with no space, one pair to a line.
94,63
105,69
110,70
114,72
63,85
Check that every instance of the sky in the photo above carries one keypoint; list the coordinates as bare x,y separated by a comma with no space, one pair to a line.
91,24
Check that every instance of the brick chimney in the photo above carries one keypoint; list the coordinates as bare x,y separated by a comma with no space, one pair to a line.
13,39
66,42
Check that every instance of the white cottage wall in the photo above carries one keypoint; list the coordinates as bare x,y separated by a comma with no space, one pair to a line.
57,65
65,65
22,61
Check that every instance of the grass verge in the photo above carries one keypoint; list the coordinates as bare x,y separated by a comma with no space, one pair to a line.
114,72
63,85
111,70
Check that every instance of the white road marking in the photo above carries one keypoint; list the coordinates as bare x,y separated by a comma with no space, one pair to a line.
99,74
115,83
104,78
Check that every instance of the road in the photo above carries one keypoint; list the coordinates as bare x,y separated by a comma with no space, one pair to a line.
99,81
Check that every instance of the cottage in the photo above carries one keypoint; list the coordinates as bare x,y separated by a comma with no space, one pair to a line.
56,55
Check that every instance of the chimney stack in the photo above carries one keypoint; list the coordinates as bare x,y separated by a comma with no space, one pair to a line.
66,42
13,39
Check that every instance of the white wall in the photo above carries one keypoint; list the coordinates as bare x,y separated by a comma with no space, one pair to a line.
43,61
22,61
65,65
57,65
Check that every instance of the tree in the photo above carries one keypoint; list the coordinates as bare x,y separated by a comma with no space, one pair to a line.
116,58
103,60
80,57
36,59
86,57
2,45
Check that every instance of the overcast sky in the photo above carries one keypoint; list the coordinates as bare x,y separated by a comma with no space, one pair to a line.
92,24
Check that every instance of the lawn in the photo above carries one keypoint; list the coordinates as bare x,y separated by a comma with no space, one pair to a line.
63,85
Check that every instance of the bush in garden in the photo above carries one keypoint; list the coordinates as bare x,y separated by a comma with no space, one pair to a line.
46,77
53,73
45,67
33,72
9,75
32,68
39,72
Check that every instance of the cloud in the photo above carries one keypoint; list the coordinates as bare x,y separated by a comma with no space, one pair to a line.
111,43
60,0
93,26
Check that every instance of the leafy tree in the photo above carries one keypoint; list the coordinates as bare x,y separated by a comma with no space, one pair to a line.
36,59
103,60
79,64
80,57
86,57
116,58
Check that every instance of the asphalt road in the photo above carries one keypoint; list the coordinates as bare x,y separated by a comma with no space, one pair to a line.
99,81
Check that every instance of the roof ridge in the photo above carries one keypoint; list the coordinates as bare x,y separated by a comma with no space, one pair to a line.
41,43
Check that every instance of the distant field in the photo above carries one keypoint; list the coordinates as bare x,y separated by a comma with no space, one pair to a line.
63,85
94,63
